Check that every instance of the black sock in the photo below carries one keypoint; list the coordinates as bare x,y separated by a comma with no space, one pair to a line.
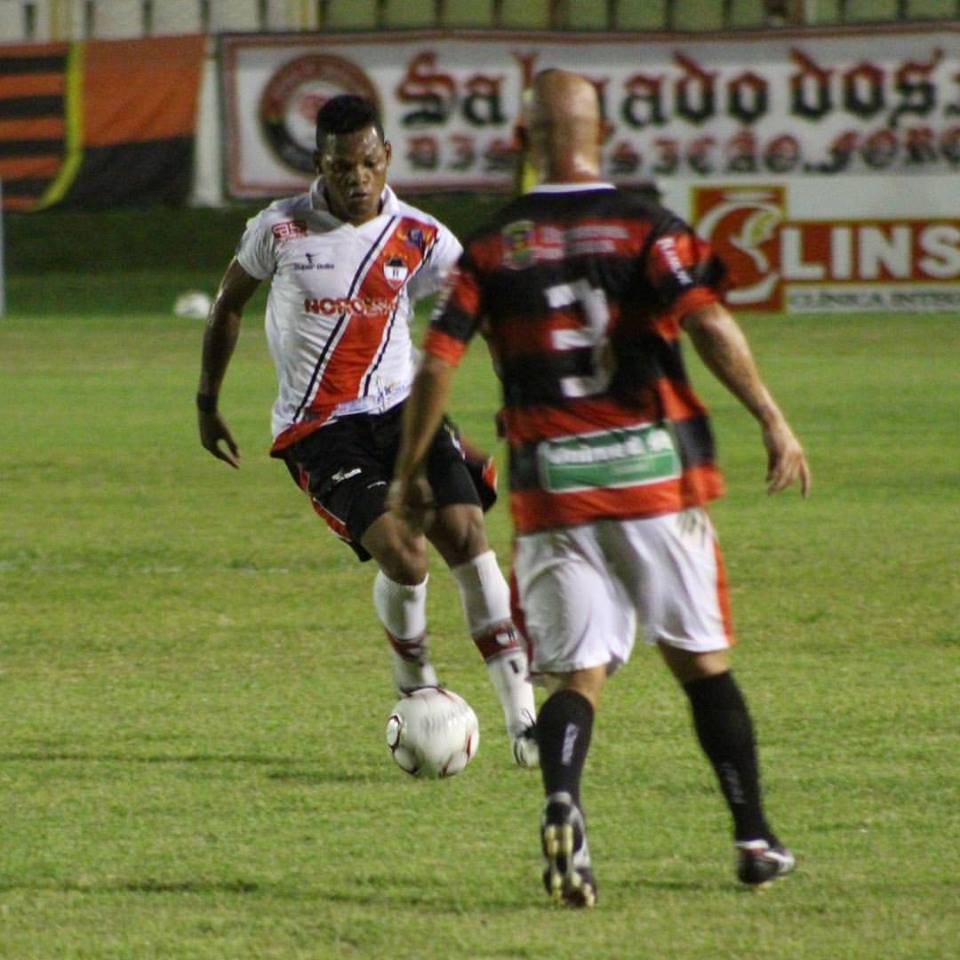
725,731
564,725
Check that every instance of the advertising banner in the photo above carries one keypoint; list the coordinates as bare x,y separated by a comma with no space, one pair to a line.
837,245
818,104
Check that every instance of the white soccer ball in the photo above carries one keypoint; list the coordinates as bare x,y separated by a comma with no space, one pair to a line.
192,305
432,732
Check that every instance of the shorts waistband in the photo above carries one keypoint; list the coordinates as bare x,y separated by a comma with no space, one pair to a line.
375,403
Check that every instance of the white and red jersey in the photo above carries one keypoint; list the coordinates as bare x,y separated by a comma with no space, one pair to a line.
340,303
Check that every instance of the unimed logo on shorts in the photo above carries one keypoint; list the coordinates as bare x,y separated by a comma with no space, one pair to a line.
810,262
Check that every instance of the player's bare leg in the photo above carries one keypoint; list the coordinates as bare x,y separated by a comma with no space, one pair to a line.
564,727
725,731
459,536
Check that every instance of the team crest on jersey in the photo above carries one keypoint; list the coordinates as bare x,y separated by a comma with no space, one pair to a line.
396,271
518,244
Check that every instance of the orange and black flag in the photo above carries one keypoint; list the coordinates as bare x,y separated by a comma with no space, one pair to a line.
98,124
33,112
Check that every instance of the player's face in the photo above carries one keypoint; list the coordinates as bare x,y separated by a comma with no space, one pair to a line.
354,170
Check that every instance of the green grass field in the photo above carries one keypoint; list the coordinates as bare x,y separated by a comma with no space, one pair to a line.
194,687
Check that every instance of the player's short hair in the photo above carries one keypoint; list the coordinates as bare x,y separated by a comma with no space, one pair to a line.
346,114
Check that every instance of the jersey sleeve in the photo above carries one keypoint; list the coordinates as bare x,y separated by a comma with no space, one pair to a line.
440,260
682,269
256,252
457,314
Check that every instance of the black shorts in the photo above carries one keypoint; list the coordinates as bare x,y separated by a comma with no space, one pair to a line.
346,469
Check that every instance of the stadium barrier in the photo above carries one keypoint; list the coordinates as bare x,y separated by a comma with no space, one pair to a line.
781,145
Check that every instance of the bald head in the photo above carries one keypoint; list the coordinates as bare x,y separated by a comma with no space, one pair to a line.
563,122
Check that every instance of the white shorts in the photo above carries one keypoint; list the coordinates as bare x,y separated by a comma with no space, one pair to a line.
582,590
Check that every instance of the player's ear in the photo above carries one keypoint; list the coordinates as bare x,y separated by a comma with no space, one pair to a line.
317,158
605,131
388,151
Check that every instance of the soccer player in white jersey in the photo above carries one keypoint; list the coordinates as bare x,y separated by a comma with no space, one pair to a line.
345,262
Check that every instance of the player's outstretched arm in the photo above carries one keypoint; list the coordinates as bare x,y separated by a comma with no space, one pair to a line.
219,339
724,349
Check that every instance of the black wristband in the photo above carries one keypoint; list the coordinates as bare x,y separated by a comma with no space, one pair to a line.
207,402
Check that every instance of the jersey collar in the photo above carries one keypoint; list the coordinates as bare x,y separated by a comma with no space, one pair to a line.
389,204
571,187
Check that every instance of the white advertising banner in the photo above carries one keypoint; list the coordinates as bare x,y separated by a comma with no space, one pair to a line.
830,245
817,103
822,165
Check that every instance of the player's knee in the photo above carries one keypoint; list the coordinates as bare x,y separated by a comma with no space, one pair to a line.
459,534
688,666
400,554
589,683
402,560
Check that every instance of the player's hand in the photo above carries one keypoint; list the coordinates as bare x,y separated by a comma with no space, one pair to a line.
213,431
411,501
397,496
786,461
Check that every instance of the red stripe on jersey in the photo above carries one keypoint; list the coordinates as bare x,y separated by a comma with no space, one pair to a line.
693,300
351,358
487,252
288,437
357,349
534,340
671,400
442,345
464,291
537,509
666,325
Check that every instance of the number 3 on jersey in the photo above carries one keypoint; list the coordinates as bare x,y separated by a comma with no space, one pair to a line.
591,304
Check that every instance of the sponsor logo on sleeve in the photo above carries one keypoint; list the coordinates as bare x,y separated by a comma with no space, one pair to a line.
289,230
667,247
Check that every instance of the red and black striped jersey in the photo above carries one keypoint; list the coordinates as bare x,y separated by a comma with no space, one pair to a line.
579,291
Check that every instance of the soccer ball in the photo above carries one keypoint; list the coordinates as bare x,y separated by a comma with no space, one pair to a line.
192,305
432,732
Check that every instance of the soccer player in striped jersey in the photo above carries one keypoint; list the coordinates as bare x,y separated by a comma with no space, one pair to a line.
345,262
582,292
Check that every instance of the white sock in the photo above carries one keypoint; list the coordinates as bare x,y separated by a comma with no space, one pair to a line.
486,606
402,610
